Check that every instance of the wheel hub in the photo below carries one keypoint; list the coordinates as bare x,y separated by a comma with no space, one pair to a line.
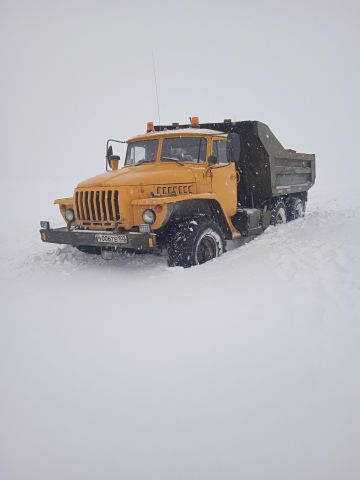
206,250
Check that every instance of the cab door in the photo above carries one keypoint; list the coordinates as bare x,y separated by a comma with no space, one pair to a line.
199,167
223,177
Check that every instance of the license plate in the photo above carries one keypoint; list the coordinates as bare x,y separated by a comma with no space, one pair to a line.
103,238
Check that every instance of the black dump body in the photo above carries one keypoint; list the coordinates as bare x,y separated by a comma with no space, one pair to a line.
266,168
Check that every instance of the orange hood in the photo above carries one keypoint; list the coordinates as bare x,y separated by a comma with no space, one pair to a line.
141,175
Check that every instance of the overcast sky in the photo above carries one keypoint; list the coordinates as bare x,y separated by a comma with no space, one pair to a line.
76,73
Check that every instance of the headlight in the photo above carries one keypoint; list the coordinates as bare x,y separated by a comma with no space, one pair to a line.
149,216
69,214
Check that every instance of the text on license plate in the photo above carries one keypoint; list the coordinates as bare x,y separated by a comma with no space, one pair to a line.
103,238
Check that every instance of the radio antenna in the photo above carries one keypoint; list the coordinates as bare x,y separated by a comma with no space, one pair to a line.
156,86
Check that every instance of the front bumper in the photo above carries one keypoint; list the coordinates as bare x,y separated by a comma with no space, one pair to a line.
89,238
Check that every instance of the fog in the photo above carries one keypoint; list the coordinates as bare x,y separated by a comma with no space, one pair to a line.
246,367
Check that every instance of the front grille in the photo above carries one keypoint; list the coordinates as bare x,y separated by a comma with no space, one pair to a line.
97,206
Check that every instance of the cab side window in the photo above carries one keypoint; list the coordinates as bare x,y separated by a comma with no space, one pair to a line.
219,150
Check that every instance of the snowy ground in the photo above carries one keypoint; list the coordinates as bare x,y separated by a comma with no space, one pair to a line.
245,367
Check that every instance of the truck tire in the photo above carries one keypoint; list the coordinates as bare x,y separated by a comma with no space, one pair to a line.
295,208
278,213
195,241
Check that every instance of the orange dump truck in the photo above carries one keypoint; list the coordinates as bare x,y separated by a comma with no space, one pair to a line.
186,189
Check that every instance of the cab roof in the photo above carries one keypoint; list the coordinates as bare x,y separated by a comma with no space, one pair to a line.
178,132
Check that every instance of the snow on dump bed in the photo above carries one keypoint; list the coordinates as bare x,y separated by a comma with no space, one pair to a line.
249,363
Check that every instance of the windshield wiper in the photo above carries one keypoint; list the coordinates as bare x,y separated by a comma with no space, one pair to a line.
140,162
173,159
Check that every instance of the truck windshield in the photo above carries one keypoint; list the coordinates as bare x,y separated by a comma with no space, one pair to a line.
184,149
141,152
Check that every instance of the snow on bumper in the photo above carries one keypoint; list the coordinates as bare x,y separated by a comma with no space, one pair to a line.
97,238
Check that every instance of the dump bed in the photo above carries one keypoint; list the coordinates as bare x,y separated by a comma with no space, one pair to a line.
266,168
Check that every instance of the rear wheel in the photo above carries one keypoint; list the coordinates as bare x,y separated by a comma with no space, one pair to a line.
194,242
278,213
296,208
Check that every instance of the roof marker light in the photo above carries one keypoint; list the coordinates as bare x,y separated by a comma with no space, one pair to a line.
150,127
195,122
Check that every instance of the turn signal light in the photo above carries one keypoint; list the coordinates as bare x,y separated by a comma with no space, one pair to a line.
150,127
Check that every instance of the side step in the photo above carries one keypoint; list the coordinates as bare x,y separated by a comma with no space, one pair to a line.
251,221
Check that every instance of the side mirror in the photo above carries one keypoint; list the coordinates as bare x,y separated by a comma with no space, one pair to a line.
111,160
233,147
109,153
212,160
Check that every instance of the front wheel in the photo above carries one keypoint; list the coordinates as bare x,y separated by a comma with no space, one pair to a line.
194,242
